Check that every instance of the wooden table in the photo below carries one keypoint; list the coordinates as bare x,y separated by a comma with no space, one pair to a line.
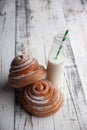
26,24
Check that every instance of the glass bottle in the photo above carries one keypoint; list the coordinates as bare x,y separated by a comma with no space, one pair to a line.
56,63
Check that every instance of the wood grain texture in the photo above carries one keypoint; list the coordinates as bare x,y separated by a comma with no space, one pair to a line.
76,19
21,27
36,24
77,94
7,52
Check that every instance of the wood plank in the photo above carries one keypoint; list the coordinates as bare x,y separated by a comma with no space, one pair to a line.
7,52
21,26
76,18
43,21
66,118
24,120
77,94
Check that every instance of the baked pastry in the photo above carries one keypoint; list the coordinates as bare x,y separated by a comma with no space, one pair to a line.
25,71
41,98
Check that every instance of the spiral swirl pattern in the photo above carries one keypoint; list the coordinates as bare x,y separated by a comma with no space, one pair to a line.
25,71
41,98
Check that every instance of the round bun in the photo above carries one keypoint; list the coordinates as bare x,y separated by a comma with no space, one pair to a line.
41,98
25,71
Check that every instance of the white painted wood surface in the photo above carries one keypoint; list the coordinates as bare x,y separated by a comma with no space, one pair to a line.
37,21
7,52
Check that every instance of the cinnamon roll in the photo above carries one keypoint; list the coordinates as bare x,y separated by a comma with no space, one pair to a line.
25,71
41,98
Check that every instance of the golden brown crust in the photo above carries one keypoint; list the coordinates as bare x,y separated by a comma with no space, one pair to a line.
24,71
41,98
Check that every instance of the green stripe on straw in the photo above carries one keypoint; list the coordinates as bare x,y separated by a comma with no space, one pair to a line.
64,38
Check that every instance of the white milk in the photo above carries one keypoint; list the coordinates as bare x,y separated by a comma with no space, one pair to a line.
55,69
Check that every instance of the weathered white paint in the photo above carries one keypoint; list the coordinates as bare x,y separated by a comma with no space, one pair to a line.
7,52
77,94
76,18
36,24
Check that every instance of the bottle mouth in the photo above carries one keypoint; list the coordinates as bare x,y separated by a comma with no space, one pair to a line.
58,37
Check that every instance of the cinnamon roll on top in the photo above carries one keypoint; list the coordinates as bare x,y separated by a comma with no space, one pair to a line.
41,98
25,71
